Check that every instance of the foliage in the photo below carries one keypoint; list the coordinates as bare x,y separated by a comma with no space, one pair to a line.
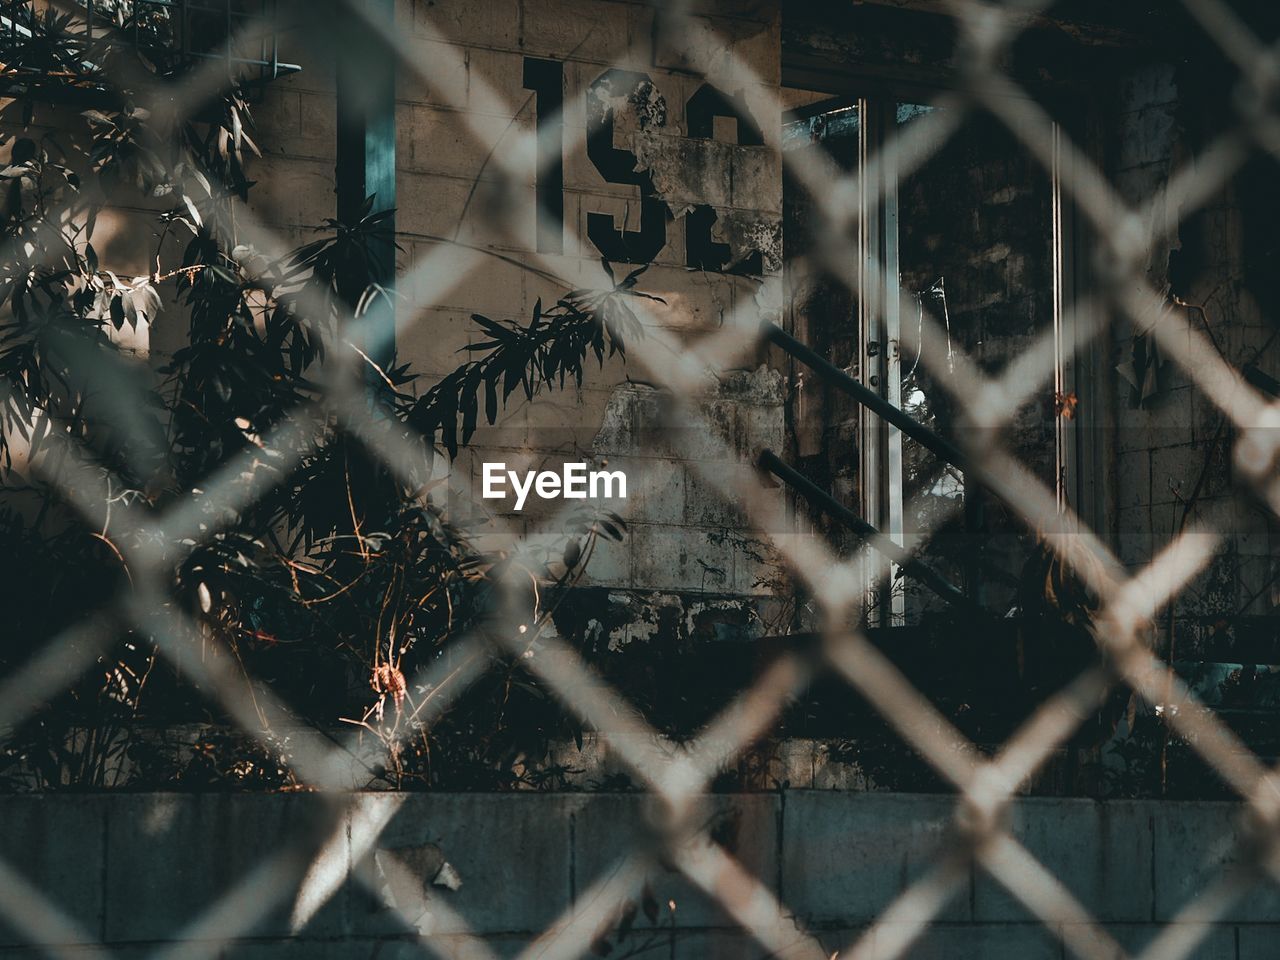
340,582
549,351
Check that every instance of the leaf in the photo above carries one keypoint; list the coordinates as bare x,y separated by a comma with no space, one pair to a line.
191,208
494,329
469,406
629,280
491,398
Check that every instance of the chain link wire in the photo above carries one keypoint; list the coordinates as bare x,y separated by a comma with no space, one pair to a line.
304,875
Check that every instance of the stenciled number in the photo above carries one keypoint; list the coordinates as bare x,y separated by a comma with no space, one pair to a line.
546,79
619,166
701,252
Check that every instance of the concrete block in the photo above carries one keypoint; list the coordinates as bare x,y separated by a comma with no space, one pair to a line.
1133,431
430,205
686,172
507,433
661,941
1134,540
847,856
564,421
486,23
610,563
498,215
1257,942
835,767
469,145
657,488
947,941
757,568
317,134
628,410
292,191
55,843
85,952
1172,416
714,436
1195,843
1174,472
766,428
473,283
709,497
1106,864
278,119
439,76
594,31
681,558
431,339
757,179
1219,943
172,857
1133,479
694,301
716,47
444,946
514,867
609,826
1147,137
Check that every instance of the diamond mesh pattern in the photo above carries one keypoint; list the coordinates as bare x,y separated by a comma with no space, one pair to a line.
984,785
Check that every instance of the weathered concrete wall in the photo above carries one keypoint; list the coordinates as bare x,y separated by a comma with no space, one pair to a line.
1173,448
683,534
140,872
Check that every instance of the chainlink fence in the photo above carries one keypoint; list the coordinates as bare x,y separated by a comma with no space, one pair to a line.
984,786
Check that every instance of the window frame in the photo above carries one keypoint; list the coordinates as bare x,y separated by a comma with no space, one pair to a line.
1081,442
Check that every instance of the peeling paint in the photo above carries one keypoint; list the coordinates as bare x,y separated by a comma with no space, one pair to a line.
688,173
640,108
748,232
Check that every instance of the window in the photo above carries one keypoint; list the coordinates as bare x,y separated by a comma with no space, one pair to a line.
971,235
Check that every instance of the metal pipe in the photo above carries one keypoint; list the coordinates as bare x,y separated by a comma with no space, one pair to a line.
868,398
911,565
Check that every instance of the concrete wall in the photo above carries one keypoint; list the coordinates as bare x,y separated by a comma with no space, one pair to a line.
1173,453
683,534
141,871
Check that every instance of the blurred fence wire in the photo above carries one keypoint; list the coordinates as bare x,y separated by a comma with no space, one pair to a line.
984,785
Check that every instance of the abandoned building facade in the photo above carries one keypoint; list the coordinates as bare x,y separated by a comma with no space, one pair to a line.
721,478
530,148
685,155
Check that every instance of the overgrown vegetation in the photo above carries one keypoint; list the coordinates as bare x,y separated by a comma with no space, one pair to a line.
339,583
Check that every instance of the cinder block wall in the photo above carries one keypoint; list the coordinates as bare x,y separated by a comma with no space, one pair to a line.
684,534
145,871
1173,454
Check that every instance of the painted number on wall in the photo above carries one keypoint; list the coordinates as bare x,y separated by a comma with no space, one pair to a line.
617,165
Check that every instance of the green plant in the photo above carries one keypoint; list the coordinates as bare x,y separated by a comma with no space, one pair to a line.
340,582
